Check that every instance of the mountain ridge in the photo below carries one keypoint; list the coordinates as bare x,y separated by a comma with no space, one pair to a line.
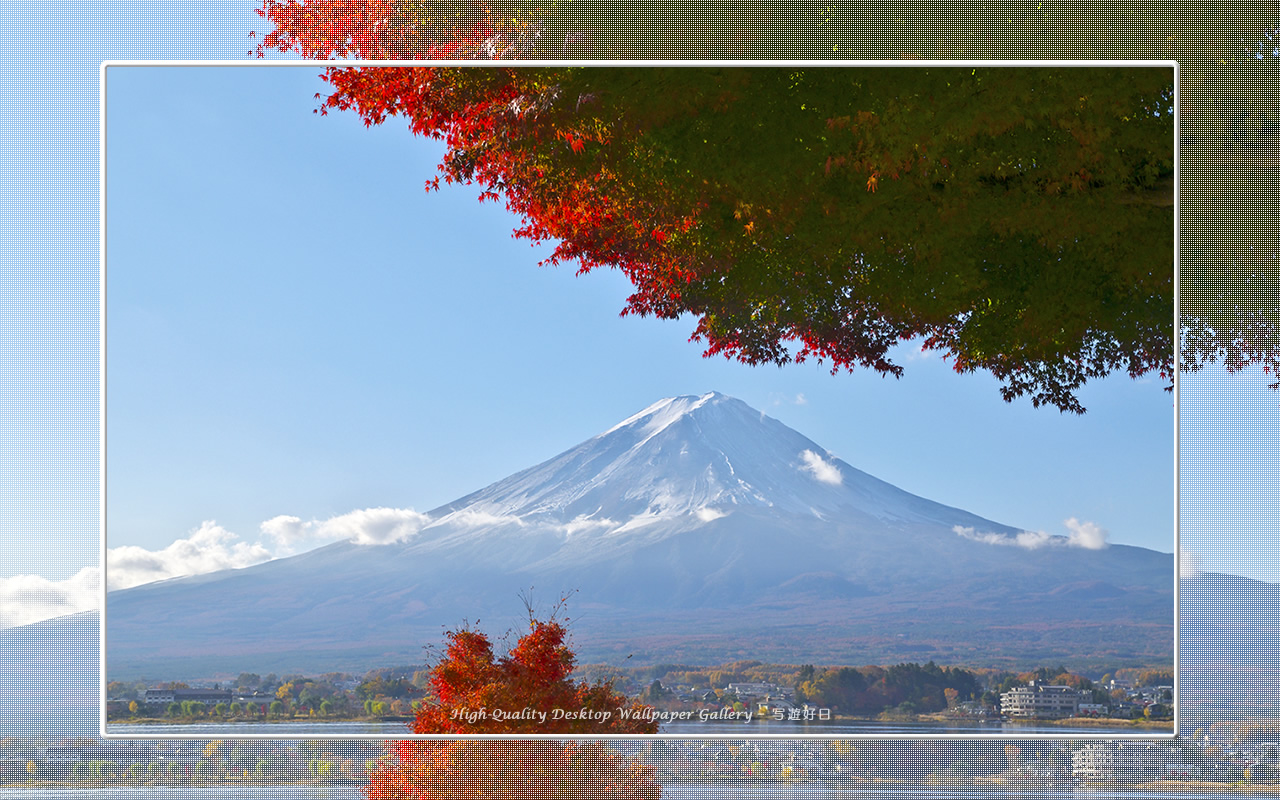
698,512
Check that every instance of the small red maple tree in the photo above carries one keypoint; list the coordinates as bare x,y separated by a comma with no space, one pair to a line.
528,690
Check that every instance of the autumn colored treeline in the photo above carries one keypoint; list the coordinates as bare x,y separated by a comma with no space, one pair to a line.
865,690
910,688
872,689
382,692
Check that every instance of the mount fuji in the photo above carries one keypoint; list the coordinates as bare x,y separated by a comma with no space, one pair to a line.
698,531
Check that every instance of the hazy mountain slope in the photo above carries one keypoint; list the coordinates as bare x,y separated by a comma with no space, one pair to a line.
49,676
1230,661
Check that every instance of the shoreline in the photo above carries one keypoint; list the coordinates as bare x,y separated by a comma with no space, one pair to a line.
1173,787
1109,722
1205,786
942,717
107,784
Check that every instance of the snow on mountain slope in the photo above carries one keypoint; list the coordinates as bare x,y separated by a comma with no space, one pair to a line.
693,459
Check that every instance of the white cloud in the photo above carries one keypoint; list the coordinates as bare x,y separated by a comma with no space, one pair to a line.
822,470
30,598
287,531
479,519
985,538
374,525
25,599
1189,564
1034,540
1084,535
207,549
707,514
584,523
1029,540
367,526
211,547
640,520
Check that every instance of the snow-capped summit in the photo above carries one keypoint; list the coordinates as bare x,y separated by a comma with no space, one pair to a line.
700,457
667,410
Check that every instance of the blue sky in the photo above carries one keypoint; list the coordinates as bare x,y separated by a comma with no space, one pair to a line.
295,327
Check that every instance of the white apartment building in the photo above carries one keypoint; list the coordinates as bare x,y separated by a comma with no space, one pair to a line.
1038,701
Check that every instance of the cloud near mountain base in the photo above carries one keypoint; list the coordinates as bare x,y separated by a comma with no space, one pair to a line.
367,526
25,599
1085,535
206,549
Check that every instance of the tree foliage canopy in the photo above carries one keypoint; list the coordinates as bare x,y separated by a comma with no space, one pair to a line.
520,692
1229,124
1019,221
482,769
872,690
474,691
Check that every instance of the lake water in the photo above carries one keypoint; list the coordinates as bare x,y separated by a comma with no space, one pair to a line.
760,791
185,792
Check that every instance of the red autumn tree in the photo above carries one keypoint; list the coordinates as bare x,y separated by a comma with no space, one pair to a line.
484,769
528,690
509,29
393,29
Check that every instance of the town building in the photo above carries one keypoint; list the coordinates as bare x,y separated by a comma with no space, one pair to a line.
745,691
183,695
1124,761
1039,701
